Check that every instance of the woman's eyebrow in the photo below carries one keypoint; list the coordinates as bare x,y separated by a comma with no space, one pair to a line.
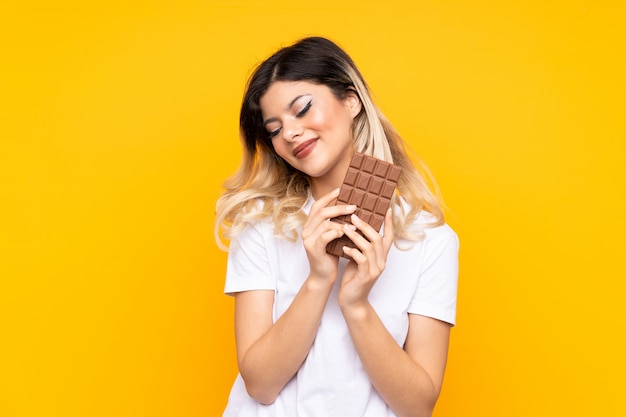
268,121
289,106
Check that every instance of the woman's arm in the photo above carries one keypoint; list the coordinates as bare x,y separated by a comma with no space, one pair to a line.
269,354
408,380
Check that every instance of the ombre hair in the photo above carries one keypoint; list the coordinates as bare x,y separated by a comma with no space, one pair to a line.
266,187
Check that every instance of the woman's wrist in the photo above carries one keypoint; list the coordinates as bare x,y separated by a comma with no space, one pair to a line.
318,283
356,312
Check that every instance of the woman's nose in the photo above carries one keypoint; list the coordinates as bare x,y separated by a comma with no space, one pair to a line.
291,130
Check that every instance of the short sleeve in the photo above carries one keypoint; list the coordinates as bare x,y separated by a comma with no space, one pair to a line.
436,292
248,266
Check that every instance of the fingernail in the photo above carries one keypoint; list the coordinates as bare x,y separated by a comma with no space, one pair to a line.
350,208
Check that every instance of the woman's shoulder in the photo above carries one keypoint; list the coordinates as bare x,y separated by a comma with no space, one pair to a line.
258,210
429,225
434,230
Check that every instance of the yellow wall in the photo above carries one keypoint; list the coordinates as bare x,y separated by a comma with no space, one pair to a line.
119,123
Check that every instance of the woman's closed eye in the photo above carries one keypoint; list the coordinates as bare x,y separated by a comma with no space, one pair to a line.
274,132
299,113
304,109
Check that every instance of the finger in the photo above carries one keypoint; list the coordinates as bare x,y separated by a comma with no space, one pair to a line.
316,225
323,233
356,255
389,233
325,200
368,231
329,235
363,245
323,215
372,244
336,211
322,203
313,219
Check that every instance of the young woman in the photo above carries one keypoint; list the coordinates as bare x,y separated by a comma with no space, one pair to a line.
316,334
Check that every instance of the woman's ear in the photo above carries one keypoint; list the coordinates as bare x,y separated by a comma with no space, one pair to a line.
354,103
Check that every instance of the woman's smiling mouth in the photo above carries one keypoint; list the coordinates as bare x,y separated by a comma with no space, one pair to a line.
304,149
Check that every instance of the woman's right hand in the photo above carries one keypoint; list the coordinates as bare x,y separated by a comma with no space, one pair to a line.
318,232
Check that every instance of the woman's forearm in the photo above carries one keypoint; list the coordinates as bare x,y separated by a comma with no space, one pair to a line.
272,360
401,381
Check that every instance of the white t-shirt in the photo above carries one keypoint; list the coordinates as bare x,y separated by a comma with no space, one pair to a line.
331,381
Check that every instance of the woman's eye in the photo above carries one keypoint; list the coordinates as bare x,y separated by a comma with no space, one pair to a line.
273,133
305,109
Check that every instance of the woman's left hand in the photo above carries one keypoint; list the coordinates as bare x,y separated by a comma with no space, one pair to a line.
368,261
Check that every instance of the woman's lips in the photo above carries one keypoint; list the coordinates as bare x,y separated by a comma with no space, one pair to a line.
304,149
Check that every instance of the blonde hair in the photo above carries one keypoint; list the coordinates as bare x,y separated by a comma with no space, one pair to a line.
266,187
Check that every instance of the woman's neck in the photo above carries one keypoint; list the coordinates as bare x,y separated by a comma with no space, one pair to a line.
320,186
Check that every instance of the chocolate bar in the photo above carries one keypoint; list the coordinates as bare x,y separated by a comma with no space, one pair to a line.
369,184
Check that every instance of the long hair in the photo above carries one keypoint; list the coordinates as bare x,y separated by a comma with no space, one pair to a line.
266,186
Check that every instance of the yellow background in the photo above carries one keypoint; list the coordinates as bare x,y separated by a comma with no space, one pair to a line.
119,124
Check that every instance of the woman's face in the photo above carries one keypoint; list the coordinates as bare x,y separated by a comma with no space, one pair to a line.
311,129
